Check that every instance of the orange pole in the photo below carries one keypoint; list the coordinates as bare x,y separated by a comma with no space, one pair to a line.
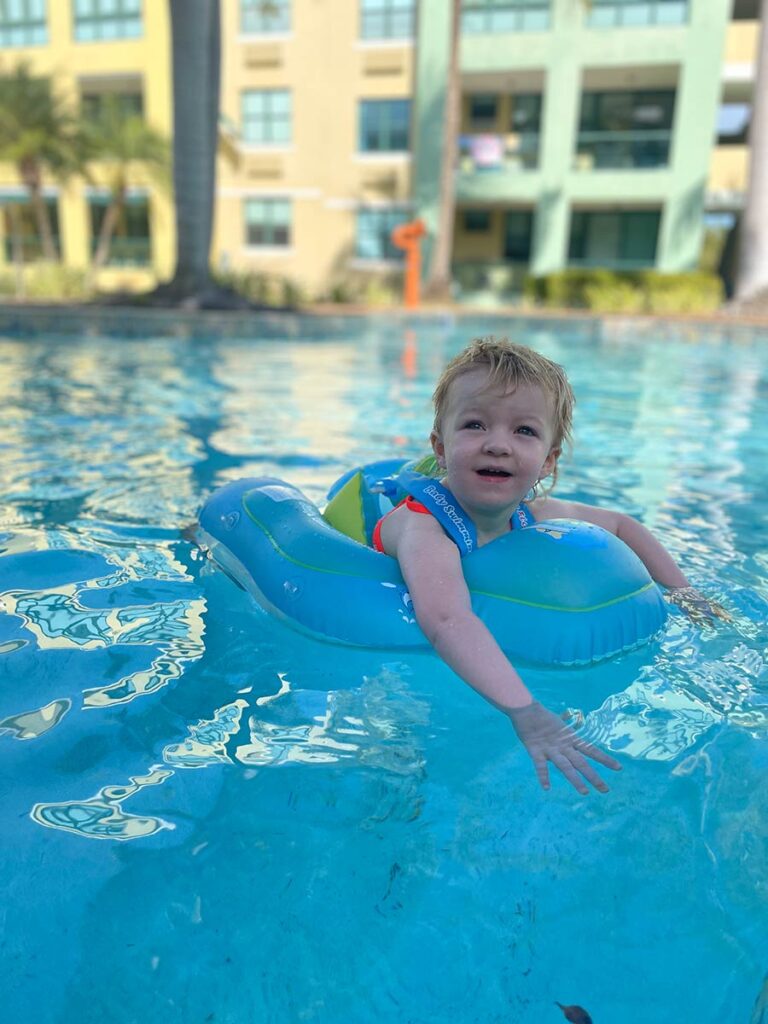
408,237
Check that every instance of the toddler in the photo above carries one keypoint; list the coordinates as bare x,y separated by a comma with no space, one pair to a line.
502,415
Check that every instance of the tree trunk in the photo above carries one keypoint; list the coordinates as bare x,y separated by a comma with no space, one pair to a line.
196,47
107,230
30,175
438,285
753,257
17,248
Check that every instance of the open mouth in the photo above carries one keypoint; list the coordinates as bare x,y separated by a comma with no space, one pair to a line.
494,473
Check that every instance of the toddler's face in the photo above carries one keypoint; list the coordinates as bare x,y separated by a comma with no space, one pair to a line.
495,444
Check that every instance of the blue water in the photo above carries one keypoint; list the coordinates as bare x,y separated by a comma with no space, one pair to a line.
206,817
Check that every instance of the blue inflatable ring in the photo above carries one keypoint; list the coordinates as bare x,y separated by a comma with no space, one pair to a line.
557,593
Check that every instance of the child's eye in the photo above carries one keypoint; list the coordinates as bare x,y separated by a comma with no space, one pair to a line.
473,425
528,431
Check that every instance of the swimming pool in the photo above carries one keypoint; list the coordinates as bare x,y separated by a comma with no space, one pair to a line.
208,817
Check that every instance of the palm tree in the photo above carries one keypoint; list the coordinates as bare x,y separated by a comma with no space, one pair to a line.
438,284
122,142
752,278
196,56
37,134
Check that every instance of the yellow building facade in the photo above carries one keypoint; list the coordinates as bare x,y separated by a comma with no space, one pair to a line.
316,165
88,49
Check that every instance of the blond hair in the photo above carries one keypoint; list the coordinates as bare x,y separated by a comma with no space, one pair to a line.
508,366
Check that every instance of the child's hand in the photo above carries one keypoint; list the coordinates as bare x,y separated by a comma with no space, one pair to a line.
699,609
547,738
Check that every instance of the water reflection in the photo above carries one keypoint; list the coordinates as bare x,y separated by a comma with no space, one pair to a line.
30,725
102,816
372,725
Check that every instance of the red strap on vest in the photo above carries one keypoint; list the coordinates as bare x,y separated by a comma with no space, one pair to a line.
412,505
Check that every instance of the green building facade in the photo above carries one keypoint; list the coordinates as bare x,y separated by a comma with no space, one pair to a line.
587,130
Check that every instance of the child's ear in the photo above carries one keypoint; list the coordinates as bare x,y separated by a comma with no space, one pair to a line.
438,448
549,463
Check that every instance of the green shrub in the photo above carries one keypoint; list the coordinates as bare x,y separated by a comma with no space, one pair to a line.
45,281
641,291
614,296
694,292
340,292
292,294
382,292
263,289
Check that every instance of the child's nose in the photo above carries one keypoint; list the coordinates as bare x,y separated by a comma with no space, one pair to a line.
497,443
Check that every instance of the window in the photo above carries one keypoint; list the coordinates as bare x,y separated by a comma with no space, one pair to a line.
107,19
746,10
130,104
482,110
384,126
477,221
386,19
622,130
21,229
22,23
258,16
635,13
268,222
733,124
266,116
524,127
526,112
623,239
130,245
504,15
374,230
518,233
642,111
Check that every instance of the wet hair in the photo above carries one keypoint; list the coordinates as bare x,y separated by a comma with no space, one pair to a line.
508,366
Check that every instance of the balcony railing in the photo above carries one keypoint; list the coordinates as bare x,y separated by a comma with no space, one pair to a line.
596,151
513,152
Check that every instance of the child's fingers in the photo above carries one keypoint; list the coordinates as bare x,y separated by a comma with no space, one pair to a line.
585,768
559,760
597,755
540,764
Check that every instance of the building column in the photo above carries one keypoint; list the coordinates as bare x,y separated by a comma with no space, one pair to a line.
74,226
433,38
697,100
558,133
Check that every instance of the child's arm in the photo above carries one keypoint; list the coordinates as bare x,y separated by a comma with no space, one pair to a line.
431,566
657,560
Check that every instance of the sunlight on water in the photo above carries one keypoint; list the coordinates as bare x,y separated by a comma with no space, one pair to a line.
102,816
292,831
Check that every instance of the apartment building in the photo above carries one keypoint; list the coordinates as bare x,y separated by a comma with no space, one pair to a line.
606,134
316,98
90,49
610,133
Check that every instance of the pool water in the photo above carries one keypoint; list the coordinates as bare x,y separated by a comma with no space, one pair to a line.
207,817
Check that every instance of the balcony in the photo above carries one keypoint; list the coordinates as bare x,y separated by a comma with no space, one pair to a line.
479,154
622,150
